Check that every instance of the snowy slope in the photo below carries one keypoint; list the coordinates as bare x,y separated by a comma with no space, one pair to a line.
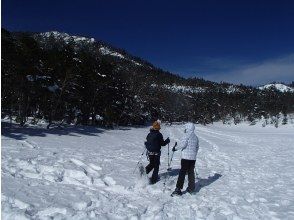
106,51
180,88
192,89
65,37
245,172
278,86
79,41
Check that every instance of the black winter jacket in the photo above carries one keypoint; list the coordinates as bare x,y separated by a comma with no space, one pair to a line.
155,141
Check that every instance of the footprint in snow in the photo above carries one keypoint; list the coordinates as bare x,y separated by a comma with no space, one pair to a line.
95,167
88,169
31,144
109,181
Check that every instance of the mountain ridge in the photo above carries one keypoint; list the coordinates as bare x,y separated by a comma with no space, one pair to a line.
278,86
84,79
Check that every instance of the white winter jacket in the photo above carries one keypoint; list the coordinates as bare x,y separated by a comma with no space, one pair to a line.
189,144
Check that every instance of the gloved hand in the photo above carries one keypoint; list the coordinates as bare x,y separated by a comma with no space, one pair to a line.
167,140
174,148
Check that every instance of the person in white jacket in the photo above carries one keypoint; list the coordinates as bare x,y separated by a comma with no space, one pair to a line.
189,146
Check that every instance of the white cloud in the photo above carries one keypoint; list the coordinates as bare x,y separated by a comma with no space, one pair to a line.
279,70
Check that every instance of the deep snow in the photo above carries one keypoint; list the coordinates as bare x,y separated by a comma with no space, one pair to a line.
245,172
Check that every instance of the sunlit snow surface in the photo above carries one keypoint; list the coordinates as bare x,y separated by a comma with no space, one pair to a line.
66,37
245,172
278,86
107,51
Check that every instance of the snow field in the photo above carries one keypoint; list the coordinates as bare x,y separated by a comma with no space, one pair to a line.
244,172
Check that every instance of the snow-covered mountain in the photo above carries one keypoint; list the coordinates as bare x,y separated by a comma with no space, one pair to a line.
278,86
72,78
81,42
64,36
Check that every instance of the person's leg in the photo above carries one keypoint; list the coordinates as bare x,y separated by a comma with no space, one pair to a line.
150,166
183,171
156,164
191,176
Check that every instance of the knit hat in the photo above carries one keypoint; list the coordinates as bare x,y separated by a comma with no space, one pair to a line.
156,125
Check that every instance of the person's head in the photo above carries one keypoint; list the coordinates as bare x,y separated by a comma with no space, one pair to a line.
189,127
156,126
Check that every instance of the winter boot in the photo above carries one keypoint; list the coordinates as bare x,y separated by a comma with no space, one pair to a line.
153,181
188,190
177,192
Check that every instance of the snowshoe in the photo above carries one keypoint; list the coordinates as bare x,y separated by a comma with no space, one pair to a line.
177,192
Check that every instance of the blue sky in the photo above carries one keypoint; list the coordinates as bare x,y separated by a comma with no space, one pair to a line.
248,42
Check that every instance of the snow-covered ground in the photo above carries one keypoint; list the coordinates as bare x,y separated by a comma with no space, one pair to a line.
245,172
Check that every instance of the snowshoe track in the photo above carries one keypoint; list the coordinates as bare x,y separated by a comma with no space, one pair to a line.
81,176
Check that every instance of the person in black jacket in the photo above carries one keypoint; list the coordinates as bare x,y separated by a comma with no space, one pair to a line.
153,145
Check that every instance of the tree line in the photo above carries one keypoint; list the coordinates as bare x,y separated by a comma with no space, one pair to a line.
65,81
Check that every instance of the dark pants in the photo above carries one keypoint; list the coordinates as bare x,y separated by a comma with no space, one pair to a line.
187,166
154,161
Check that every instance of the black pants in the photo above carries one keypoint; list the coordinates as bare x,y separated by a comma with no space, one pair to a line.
154,161
187,166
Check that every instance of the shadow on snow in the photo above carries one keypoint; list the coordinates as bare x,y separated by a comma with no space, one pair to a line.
206,182
200,182
173,172
18,132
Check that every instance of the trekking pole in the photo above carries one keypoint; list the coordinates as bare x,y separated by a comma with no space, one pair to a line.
197,176
168,169
140,159
171,159
168,162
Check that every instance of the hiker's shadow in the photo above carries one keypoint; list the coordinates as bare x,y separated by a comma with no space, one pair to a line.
172,172
206,182
200,182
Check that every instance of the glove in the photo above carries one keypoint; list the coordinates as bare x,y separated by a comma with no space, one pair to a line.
174,148
167,140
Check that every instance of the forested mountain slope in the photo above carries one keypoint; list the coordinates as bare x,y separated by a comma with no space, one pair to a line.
72,79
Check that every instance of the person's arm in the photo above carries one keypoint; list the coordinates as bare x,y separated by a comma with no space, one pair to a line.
163,142
182,145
